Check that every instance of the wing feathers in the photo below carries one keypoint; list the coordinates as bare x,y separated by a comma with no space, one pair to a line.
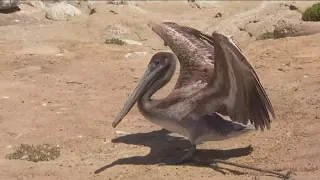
251,101
232,85
259,104
195,56
263,94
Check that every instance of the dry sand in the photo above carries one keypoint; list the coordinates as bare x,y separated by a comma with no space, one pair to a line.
60,84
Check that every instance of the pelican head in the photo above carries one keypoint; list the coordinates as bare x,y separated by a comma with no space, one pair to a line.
159,71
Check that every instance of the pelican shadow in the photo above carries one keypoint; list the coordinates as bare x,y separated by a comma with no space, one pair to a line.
164,147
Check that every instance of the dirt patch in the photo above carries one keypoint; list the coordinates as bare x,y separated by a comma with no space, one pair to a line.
70,98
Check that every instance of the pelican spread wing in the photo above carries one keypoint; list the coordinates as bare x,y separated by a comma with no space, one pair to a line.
228,83
195,56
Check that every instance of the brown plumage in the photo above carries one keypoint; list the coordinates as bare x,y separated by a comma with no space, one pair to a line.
215,77
209,59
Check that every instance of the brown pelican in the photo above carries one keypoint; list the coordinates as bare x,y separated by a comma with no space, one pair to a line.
215,77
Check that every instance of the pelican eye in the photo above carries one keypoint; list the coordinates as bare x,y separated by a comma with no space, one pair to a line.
156,63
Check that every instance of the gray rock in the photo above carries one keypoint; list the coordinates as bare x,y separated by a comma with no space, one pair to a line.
61,11
8,4
119,32
290,28
38,4
84,6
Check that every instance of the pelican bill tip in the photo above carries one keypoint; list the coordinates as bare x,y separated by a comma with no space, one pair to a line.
114,124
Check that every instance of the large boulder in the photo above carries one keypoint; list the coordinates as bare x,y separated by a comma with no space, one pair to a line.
291,28
61,11
9,4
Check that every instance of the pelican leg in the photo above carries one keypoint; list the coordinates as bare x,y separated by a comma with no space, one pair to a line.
186,158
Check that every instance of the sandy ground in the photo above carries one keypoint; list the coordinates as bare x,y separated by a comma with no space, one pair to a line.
60,84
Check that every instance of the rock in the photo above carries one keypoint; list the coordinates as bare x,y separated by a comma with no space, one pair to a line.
129,41
218,15
38,49
9,4
61,11
121,133
291,28
135,54
302,6
36,4
292,7
119,32
84,6
206,4
117,2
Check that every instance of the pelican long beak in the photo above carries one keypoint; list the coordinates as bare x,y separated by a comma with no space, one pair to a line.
144,84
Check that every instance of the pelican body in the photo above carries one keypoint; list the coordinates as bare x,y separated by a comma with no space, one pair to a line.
215,77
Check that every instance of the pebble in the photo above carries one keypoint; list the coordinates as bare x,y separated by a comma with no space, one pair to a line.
135,53
121,133
18,136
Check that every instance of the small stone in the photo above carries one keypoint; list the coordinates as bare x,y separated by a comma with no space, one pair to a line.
140,53
92,11
128,55
113,12
121,133
24,157
5,97
18,136
218,15
292,7
80,136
